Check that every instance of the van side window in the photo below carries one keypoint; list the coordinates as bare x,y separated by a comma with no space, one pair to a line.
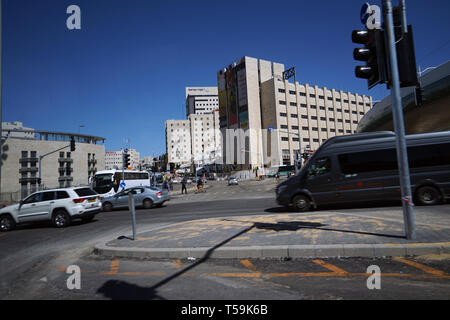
368,161
320,166
429,155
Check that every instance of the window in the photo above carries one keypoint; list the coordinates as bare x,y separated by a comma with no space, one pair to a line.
313,118
429,155
302,94
33,198
312,95
323,118
281,90
294,115
48,196
283,126
282,114
294,127
313,107
304,116
294,139
368,161
83,192
320,167
322,108
303,105
291,91
315,129
284,139
305,128
321,97
294,104
282,102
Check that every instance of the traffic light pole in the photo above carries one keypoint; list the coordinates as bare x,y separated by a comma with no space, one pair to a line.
402,156
40,164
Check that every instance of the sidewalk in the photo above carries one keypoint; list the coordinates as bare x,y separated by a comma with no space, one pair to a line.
287,235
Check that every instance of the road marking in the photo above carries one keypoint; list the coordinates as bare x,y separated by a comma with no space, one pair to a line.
177,263
330,267
114,267
249,265
422,267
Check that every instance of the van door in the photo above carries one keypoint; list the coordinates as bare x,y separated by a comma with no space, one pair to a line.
362,175
320,182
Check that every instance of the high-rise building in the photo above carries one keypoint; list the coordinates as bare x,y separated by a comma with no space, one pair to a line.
114,159
201,100
195,140
254,97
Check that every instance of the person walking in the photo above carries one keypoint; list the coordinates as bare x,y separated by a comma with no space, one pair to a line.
183,185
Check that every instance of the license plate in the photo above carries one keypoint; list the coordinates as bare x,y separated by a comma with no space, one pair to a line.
91,200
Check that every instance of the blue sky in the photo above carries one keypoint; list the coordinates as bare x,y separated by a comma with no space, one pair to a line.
124,73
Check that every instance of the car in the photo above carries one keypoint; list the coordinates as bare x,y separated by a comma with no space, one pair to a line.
60,206
233,181
145,196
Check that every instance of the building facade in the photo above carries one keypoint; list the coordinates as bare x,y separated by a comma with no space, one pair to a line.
59,168
305,116
195,140
278,118
114,159
201,100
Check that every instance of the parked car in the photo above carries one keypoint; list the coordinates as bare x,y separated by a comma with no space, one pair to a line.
61,206
146,197
233,181
363,167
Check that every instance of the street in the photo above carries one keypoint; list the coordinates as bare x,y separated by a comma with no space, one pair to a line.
34,259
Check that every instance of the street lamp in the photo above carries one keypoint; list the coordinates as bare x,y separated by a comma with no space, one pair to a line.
79,127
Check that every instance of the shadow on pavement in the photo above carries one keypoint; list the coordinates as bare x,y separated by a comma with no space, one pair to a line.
296,225
121,290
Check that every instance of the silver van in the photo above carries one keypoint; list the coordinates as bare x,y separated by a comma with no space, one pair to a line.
363,167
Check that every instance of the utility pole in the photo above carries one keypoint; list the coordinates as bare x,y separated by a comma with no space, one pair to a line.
397,111
1,97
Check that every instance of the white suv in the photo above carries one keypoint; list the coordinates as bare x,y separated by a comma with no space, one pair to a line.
60,206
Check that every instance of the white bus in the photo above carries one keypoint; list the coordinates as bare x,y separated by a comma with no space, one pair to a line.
107,182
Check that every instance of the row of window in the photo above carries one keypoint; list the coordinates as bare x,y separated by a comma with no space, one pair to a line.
312,106
312,95
304,116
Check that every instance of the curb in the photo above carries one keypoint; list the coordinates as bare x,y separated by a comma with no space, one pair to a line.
279,252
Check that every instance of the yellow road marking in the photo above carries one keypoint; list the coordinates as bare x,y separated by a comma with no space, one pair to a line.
421,267
330,267
249,265
114,267
177,262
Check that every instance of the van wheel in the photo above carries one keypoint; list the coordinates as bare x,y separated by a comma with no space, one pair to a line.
301,203
148,203
7,223
428,195
61,219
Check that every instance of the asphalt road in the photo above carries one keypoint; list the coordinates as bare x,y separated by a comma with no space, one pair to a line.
33,260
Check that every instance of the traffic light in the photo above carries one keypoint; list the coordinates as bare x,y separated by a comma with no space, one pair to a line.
126,160
72,143
373,53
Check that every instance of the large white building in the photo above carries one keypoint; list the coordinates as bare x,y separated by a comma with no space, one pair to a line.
195,140
201,100
253,97
113,159
60,167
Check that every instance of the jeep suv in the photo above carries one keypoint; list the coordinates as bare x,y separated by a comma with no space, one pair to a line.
60,206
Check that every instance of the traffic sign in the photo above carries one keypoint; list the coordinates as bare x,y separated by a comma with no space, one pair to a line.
270,129
122,184
126,150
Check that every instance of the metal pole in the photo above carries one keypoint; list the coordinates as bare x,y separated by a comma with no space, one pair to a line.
402,156
403,16
1,87
133,213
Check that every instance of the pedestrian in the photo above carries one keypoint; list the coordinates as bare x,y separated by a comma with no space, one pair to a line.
183,185
199,185
165,185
